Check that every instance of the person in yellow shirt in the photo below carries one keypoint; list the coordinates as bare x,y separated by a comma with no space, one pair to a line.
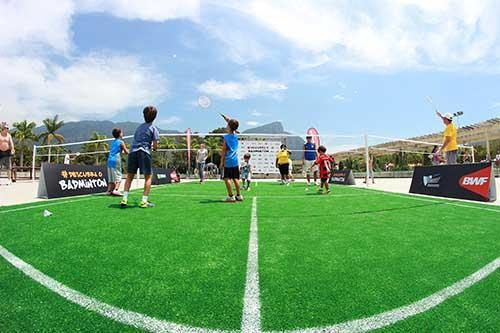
283,164
450,145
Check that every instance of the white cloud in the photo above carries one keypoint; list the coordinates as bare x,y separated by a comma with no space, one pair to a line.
252,123
387,34
342,84
495,105
256,113
28,25
250,86
169,120
148,10
339,97
33,85
93,86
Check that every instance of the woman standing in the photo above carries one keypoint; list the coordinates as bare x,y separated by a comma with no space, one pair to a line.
6,150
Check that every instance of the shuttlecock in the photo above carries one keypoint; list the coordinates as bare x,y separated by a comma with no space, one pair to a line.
46,213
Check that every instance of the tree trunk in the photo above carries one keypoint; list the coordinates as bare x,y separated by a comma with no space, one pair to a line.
21,158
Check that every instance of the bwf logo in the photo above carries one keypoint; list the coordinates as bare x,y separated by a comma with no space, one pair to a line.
474,180
477,182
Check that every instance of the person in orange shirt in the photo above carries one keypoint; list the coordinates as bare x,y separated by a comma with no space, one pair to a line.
450,145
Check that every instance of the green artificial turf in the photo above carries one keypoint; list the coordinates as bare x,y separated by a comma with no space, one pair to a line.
323,259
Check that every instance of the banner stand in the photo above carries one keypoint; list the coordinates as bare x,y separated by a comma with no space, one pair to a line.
343,177
473,181
42,186
65,180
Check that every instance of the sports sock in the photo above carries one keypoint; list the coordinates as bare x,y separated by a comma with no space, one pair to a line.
144,198
125,195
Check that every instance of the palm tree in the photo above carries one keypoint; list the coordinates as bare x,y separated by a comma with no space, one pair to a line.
167,143
96,146
23,134
51,126
213,144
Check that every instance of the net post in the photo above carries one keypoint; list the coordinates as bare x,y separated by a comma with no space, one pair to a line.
367,160
33,163
473,155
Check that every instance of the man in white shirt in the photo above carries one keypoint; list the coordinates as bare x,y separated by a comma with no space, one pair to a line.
201,158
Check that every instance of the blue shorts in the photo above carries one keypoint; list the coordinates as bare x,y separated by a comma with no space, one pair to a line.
139,160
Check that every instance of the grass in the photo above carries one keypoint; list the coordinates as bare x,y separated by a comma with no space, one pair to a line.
322,259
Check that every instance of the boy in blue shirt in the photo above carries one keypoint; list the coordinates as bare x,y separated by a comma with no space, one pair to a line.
229,161
309,156
145,139
115,162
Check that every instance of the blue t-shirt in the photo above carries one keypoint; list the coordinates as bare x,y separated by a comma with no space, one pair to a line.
310,151
144,136
231,150
114,153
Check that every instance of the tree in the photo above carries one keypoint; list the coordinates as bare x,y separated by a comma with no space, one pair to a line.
97,146
23,135
49,135
213,145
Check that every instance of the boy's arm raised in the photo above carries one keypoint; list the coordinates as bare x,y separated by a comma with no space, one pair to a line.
124,148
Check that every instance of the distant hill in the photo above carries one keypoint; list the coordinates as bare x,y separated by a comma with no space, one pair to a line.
75,131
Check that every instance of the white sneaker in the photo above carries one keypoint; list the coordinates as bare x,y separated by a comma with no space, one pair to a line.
239,198
116,193
230,199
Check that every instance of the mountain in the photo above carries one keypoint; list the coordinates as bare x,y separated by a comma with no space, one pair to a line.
75,131
271,128
294,143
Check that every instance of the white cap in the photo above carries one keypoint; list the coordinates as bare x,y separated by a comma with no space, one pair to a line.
448,116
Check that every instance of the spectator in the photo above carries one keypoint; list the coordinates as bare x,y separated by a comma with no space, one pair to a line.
7,150
450,146
201,158
497,159
435,156
467,158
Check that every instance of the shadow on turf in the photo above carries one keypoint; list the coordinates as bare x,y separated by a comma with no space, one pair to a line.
118,206
212,201
395,209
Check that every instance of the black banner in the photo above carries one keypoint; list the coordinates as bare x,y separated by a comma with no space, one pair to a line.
65,180
163,176
461,181
342,177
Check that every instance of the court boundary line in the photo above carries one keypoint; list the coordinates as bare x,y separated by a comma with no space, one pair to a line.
444,200
250,322
126,317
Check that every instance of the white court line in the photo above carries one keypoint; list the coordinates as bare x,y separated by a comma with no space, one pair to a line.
47,204
250,322
393,316
438,200
126,317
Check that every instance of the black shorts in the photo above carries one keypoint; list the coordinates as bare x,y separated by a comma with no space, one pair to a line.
284,169
324,180
232,173
139,160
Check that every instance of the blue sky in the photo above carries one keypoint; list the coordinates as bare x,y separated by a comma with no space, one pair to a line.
345,67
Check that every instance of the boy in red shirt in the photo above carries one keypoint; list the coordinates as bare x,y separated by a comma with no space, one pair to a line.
325,163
